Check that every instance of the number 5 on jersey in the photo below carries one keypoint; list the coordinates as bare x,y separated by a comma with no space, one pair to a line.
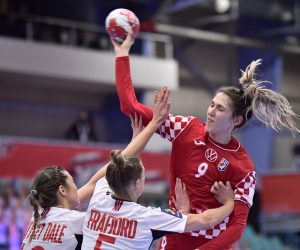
105,238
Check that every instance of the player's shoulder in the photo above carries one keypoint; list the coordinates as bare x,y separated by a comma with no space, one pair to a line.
143,211
187,125
181,118
155,211
101,188
75,213
195,125
243,166
245,159
65,214
102,183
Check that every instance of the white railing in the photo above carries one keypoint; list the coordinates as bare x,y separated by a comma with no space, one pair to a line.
73,33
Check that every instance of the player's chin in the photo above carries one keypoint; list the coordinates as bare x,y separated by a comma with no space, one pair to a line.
208,128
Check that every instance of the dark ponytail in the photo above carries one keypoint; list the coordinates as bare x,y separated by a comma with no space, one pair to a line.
122,171
44,191
33,200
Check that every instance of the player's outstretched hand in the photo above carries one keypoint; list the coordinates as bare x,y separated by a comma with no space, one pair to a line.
136,124
161,106
223,193
181,199
124,48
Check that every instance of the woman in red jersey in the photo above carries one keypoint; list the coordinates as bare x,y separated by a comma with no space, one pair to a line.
205,152
115,221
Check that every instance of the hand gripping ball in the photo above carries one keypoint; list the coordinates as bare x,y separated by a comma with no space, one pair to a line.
119,21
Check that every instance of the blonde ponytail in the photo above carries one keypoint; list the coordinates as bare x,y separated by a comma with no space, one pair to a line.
270,107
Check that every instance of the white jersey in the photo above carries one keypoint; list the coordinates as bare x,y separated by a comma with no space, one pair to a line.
111,223
56,230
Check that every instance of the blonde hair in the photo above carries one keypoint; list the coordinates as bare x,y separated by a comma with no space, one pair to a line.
270,107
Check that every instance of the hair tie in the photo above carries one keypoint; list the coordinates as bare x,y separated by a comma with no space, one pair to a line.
34,193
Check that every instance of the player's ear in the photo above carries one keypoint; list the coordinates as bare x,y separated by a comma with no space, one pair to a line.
237,120
62,190
137,183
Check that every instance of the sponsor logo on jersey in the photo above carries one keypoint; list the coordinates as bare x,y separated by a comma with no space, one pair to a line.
223,164
171,212
211,155
198,142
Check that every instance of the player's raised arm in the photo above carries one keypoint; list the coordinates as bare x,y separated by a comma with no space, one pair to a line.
128,100
161,108
211,217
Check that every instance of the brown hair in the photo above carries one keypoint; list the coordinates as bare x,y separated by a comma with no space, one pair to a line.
270,107
44,191
122,171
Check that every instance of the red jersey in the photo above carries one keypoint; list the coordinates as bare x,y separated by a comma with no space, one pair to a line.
199,161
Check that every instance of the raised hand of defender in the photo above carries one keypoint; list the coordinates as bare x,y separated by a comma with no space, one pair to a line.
136,124
181,199
223,193
161,106
124,48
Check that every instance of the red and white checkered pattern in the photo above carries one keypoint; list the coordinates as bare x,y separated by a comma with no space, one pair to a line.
245,189
173,125
213,232
244,192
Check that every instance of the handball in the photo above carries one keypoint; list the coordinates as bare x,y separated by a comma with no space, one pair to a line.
118,23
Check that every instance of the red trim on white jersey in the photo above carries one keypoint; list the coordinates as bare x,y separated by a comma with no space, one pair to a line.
45,212
129,226
56,230
118,205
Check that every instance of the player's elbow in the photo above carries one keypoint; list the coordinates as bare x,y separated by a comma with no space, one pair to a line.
128,109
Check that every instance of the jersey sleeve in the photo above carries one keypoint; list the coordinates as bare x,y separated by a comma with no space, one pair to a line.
165,220
244,190
233,233
101,187
173,126
100,191
75,220
128,100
